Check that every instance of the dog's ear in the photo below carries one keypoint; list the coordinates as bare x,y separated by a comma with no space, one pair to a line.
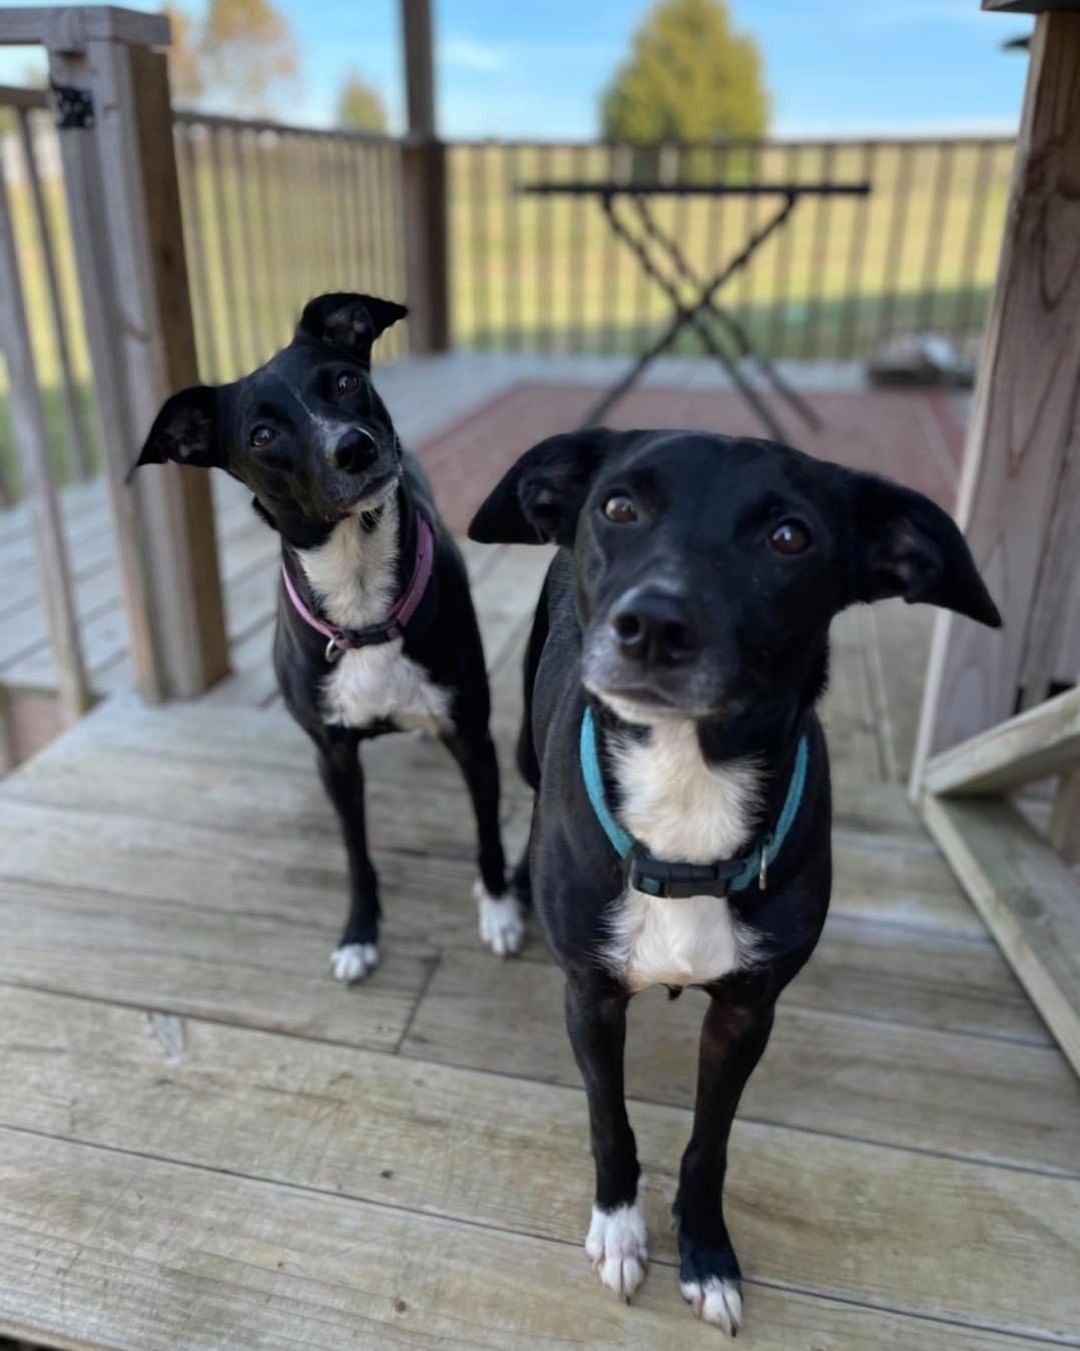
907,546
186,431
352,322
539,499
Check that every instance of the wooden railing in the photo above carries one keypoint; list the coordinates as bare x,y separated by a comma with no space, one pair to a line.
27,416
112,108
273,214
918,254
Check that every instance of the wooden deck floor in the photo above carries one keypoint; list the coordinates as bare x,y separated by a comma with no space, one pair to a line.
206,1144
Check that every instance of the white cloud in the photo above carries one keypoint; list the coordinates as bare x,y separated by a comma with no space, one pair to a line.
471,55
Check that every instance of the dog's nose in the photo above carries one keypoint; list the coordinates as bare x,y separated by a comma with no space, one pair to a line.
654,627
355,451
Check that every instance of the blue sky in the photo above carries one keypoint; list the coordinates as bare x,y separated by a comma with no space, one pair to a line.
535,67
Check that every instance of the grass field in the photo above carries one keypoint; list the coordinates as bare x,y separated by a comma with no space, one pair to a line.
273,219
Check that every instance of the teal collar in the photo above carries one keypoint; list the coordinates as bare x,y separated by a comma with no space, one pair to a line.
657,878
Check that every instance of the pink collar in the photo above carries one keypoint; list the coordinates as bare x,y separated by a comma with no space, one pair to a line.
393,626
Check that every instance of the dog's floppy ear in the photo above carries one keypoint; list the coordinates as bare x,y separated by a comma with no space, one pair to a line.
539,499
185,431
353,322
907,546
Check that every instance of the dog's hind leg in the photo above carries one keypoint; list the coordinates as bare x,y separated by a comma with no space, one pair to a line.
343,779
616,1242
733,1038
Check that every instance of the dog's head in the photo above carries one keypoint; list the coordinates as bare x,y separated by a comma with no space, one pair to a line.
708,568
306,432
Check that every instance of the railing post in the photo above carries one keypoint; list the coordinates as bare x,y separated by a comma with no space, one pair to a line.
1020,487
423,190
115,129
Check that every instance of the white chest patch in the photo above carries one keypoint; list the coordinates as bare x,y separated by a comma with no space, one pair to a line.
682,810
374,683
354,576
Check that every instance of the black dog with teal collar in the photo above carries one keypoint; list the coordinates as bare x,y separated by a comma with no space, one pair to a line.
676,657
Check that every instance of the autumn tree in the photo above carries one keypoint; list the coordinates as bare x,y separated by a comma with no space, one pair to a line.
360,105
689,77
185,62
240,59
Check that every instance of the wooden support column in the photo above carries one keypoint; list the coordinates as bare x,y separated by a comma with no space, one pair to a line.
112,99
1020,488
423,187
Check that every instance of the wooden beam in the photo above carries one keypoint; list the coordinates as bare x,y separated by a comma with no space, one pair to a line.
423,190
427,267
1065,817
187,564
1020,487
13,96
67,28
1027,896
1034,745
418,44
1032,6
120,175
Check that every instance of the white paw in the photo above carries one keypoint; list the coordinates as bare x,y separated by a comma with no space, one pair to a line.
501,926
618,1248
352,961
715,1301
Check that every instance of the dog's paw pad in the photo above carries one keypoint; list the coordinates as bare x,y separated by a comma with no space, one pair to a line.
353,961
715,1300
502,928
618,1248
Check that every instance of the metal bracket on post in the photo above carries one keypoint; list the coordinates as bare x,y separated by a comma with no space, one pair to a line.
73,107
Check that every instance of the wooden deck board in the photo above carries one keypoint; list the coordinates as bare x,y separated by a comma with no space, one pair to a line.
454,1144
295,1269
845,1074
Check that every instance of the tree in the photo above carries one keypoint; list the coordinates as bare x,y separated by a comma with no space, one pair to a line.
360,105
689,77
185,66
239,59
249,52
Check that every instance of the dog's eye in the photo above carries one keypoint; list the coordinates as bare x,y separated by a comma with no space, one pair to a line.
348,383
790,537
620,509
262,436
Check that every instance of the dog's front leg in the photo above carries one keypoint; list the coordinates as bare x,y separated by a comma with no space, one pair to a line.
501,927
343,779
733,1038
616,1243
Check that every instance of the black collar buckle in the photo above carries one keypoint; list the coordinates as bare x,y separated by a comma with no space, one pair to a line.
680,881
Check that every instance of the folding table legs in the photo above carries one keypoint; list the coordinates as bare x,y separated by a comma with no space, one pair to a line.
693,315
